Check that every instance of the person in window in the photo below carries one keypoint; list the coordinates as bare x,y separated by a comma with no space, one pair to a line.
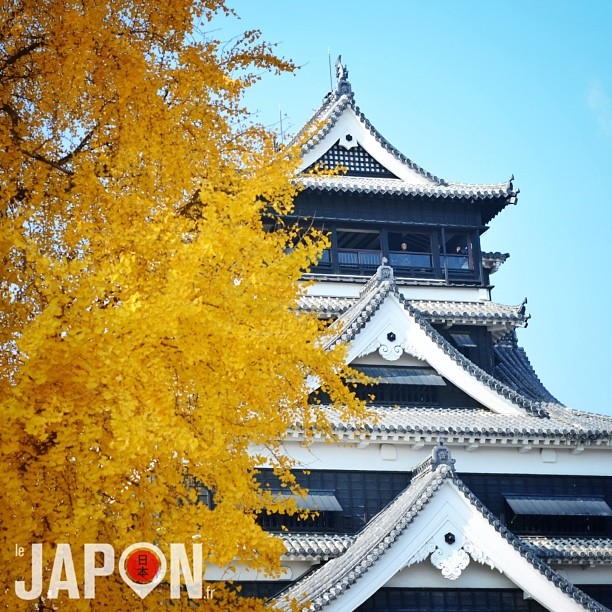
463,260
404,258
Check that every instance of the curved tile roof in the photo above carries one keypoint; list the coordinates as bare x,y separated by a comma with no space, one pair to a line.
395,186
325,118
567,550
479,374
514,369
417,181
563,425
583,551
590,423
373,294
316,546
327,583
527,552
325,306
488,312
435,311
323,121
318,589
493,261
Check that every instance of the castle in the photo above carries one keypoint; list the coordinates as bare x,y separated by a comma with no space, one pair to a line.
474,488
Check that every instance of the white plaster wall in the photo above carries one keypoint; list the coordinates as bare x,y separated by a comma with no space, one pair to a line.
378,456
424,575
443,292
585,574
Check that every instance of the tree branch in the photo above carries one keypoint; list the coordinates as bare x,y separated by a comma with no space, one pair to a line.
49,162
12,59
77,149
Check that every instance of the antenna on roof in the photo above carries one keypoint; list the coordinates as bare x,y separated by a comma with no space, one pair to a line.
331,82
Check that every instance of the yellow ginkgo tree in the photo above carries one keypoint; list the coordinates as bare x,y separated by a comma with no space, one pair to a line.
148,334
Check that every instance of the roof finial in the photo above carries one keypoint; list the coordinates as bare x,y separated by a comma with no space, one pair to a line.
342,86
341,71
441,455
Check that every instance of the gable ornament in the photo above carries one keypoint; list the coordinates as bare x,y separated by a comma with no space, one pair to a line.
449,558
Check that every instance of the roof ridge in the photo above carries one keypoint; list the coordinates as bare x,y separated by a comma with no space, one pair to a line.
376,546
395,152
481,375
374,292
333,110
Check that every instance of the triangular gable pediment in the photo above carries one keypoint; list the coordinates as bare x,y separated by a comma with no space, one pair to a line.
347,134
339,129
383,322
339,135
435,520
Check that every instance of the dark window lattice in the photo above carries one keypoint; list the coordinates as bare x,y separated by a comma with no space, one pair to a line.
391,394
323,521
493,490
457,600
362,495
357,161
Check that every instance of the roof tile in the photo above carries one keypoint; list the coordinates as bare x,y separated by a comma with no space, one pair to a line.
395,186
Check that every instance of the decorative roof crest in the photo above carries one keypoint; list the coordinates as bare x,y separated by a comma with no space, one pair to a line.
342,86
441,455
383,273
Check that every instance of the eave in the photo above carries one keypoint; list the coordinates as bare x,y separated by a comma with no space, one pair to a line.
412,529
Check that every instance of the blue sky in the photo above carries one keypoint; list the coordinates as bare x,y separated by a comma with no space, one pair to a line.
475,91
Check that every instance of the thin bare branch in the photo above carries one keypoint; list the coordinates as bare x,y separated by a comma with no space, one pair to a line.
13,59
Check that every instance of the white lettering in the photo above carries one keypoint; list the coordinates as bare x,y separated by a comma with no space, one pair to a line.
36,590
180,564
91,570
63,561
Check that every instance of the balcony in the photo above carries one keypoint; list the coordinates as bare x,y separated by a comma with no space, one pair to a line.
359,261
412,264
442,256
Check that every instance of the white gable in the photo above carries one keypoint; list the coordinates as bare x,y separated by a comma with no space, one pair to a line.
450,533
392,332
350,125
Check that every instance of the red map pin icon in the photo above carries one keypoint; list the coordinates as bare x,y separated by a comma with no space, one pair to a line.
142,567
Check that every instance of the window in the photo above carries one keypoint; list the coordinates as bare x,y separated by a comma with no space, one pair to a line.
355,161
410,250
324,262
203,493
458,251
324,503
402,375
462,340
359,250
557,515
391,394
